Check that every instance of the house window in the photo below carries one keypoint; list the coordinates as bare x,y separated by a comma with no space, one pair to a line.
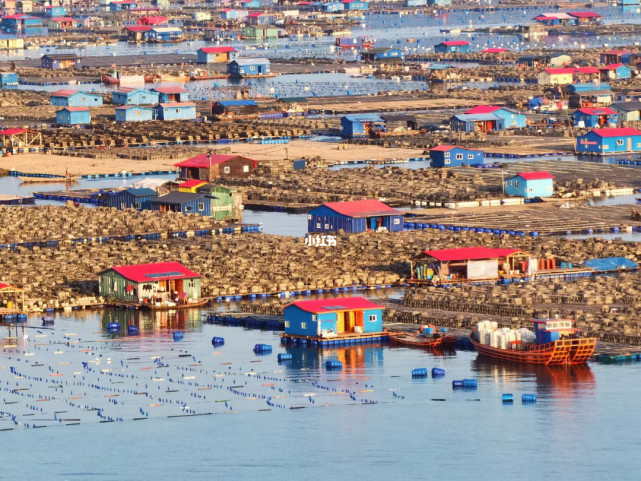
138,205
373,318
516,184
530,189
318,225
201,206
447,154
447,161
397,221
252,67
470,156
309,217
245,168
286,324
619,142
123,205
459,156
303,325
226,170
326,226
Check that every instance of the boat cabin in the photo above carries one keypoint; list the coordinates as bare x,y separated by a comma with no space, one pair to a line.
550,330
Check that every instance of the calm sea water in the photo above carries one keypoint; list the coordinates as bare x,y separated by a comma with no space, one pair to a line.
583,425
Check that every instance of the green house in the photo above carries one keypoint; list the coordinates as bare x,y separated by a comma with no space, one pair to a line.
225,202
160,283
260,31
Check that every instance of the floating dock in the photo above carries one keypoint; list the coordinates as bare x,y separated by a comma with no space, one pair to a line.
16,200
342,340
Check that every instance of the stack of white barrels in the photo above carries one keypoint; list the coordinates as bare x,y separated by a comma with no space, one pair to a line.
488,333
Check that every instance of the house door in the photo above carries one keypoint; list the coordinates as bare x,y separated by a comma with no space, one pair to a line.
359,320
350,321
340,322
630,144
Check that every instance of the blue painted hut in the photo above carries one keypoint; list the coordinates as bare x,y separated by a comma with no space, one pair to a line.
476,122
513,119
134,96
55,11
439,3
452,46
165,34
530,185
75,98
73,116
244,67
360,125
595,117
606,141
171,94
132,198
134,113
61,60
176,111
8,80
184,202
354,216
382,55
355,5
333,317
616,56
332,7
455,156
615,71
223,54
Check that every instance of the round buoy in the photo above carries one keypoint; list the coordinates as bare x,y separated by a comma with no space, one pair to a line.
113,326
178,336
217,341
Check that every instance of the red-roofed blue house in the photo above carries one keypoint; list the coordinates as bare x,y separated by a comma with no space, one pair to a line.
354,216
326,318
164,281
455,156
530,185
610,141
452,46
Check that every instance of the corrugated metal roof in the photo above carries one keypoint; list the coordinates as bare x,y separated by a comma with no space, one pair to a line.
362,208
469,253
202,162
192,183
142,192
218,49
12,131
177,197
252,61
597,111
477,117
231,103
363,118
616,132
482,109
535,175
320,306
454,43
446,148
154,272
170,90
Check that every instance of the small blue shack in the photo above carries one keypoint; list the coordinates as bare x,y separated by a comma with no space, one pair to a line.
332,7
595,117
134,113
246,67
607,141
131,96
439,3
73,116
327,318
455,156
355,5
452,46
415,3
360,125
354,216
185,202
476,123
530,185
132,198
171,94
75,98
8,80
513,119
176,111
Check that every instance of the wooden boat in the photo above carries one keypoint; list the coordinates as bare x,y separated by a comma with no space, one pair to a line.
114,80
569,349
164,307
417,339
40,180
207,76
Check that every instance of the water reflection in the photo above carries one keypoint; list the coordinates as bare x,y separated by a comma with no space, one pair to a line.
152,323
354,358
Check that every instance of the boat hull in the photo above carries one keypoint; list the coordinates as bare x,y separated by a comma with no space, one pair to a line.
558,353
42,180
415,340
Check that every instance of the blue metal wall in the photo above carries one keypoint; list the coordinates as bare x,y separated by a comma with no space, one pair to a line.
438,158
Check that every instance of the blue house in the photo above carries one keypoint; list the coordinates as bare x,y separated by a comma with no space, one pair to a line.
354,216
250,3
513,119
455,156
75,98
476,123
355,5
132,96
55,11
333,317
23,25
8,80
60,60
171,94
185,202
73,116
332,7
439,3
165,34
587,87
415,3
382,55
360,125
616,56
217,54
595,117
530,185
132,199
245,67
119,6
452,46
615,71
176,111
607,141
134,113
233,14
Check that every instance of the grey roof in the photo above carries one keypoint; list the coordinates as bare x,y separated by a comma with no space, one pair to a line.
476,117
627,106
143,192
61,56
581,93
398,118
252,61
177,197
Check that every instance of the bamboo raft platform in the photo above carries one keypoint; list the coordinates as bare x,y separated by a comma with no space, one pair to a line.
293,208
576,220
16,200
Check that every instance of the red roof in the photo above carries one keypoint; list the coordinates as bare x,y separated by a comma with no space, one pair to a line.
612,66
170,90
361,208
469,253
12,131
217,49
138,28
584,14
616,132
454,43
201,162
76,109
154,272
597,111
446,148
535,175
494,50
177,104
61,19
616,52
152,20
320,306
586,70
7,286
559,71
192,183
63,93
482,109
256,14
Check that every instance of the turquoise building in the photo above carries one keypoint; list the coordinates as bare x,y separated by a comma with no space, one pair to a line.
530,185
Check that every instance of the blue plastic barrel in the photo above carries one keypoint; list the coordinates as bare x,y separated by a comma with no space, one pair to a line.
284,356
217,341
469,383
419,372
438,372
528,398
133,330
443,329
457,384
178,336
508,398
333,365
429,331
262,348
46,320
113,326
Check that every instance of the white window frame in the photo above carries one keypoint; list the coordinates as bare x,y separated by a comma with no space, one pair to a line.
447,162
201,206
470,156
459,156
286,324
447,154
245,168
397,221
226,170
373,318
620,143
303,325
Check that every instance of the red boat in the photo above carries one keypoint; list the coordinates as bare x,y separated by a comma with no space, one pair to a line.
557,344
418,339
